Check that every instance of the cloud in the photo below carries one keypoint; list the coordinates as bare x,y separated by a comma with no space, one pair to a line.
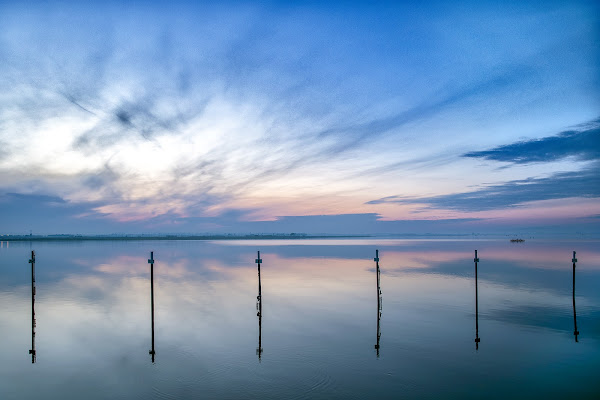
353,135
44,214
3,151
582,144
36,198
584,183
173,115
130,120
49,214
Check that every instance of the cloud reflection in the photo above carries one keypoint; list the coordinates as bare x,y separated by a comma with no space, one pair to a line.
94,313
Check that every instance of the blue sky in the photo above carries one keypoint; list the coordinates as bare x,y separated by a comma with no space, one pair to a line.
235,117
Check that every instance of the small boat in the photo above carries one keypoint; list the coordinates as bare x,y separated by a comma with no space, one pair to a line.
517,240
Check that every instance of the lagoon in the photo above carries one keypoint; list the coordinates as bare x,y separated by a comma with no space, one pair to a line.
319,322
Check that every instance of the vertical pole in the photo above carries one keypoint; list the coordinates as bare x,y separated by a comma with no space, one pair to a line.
575,331
259,297
477,340
259,351
32,351
151,262
379,305
376,259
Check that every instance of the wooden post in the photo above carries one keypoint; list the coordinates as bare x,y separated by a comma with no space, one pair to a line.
575,331
259,297
151,262
259,350
379,300
33,324
477,340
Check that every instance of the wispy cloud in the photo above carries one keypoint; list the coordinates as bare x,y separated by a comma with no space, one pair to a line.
582,144
486,87
147,113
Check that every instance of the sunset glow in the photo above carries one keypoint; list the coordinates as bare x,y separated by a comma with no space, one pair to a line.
196,118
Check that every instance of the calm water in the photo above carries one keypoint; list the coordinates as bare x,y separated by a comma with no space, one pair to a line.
319,321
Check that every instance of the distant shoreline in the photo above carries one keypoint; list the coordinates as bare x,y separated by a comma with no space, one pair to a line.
275,236
58,238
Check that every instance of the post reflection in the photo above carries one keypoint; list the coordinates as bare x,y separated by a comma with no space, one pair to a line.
152,352
32,350
379,300
259,350
477,340
378,331
575,331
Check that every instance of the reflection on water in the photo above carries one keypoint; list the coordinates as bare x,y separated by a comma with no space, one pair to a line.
477,339
318,322
33,323
259,349
575,331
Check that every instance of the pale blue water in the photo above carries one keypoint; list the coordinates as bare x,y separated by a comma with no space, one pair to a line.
319,323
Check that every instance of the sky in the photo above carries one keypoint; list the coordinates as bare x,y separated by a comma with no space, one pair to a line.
315,117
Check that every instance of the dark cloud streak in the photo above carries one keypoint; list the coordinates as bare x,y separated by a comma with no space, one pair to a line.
584,183
583,144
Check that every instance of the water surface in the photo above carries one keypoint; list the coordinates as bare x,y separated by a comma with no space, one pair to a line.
318,328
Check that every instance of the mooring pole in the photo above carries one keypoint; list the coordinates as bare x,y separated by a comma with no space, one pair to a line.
477,340
151,262
379,300
376,259
259,297
575,331
259,350
32,351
